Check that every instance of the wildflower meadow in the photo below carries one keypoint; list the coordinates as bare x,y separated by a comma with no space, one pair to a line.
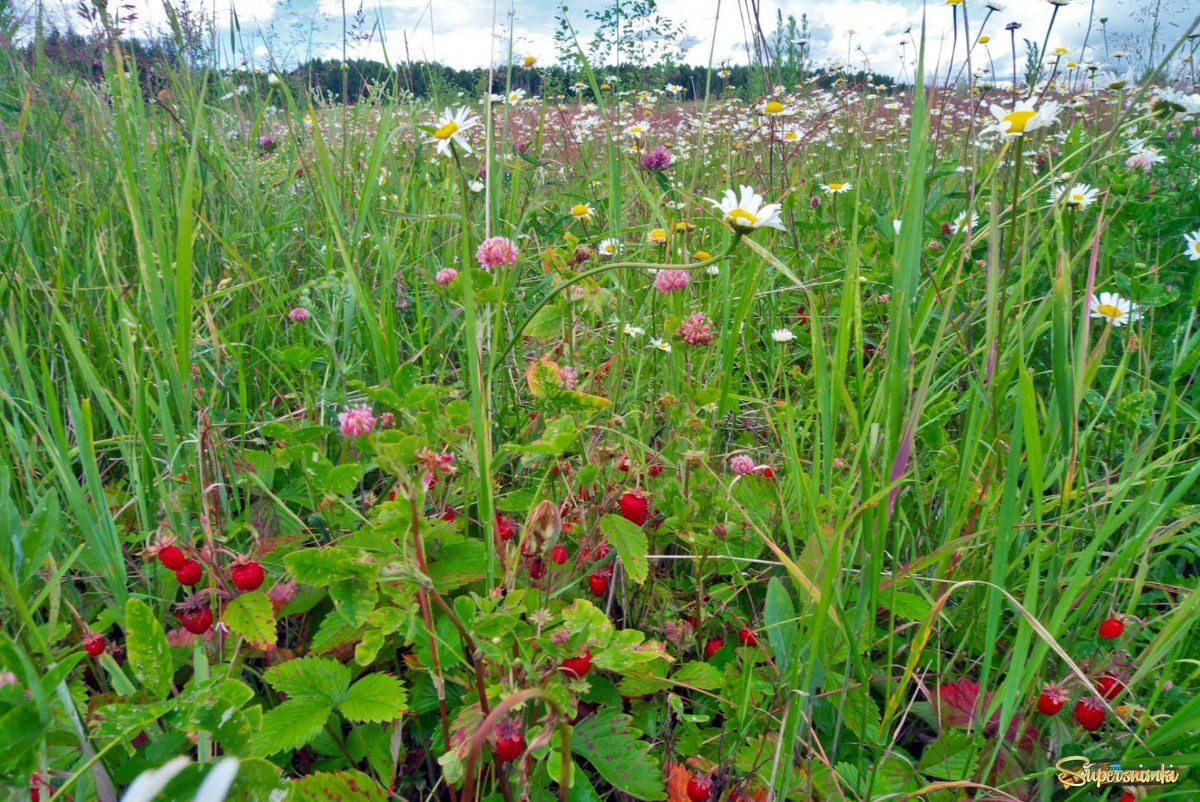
599,427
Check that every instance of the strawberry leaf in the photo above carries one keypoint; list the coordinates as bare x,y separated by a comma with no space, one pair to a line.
316,678
250,616
609,742
149,654
375,697
293,724
630,542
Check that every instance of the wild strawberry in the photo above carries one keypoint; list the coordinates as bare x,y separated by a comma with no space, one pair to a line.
558,554
623,465
634,507
768,472
1109,686
1089,712
655,469
171,557
506,527
94,644
747,637
196,620
511,748
510,740
189,573
1051,700
699,788
598,583
536,567
712,647
1112,628
601,552
448,515
246,574
578,666
1128,797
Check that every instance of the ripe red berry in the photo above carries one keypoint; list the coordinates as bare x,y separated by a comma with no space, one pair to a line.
536,567
1111,628
558,554
634,507
1089,712
655,469
768,473
1128,797
449,514
712,647
1051,700
598,584
189,573
698,789
246,575
94,644
171,557
1109,686
510,747
747,637
505,527
579,666
601,552
196,621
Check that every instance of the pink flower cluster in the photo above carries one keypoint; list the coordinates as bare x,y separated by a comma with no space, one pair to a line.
671,280
356,421
696,330
741,465
569,377
298,315
496,252
445,276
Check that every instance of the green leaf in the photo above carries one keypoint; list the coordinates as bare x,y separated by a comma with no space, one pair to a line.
560,434
609,742
318,567
149,654
342,479
317,678
950,757
250,616
293,724
375,697
630,542
779,615
696,674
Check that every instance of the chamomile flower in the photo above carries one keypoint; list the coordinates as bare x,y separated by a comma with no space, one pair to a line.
582,211
1192,250
661,345
630,330
1117,310
657,236
960,223
782,335
608,248
1022,119
1079,196
837,187
451,127
773,107
747,212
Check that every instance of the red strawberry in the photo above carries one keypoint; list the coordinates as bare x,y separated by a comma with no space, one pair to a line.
1109,686
699,789
1051,701
196,621
1111,628
510,747
536,567
246,574
189,573
448,515
171,557
655,469
505,527
598,583
768,473
634,507
558,554
712,647
747,637
94,644
1089,712
1128,797
578,667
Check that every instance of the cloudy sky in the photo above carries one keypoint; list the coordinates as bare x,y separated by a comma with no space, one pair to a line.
461,33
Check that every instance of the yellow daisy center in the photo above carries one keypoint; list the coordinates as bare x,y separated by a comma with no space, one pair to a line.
741,217
773,107
446,130
791,136
1017,120
701,256
835,187
983,40
1108,310
658,235
1196,246
579,210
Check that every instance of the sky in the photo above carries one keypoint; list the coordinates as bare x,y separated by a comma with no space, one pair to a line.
461,33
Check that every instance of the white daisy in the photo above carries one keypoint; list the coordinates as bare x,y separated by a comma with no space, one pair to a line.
661,345
960,223
608,247
1022,119
748,212
1192,251
1117,310
631,330
1079,196
451,127
836,188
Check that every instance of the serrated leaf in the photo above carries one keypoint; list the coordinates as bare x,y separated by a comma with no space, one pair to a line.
559,435
611,745
250,616
293,724
318,567
630,542
318,678
696,674
342,479
375,698
149,653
